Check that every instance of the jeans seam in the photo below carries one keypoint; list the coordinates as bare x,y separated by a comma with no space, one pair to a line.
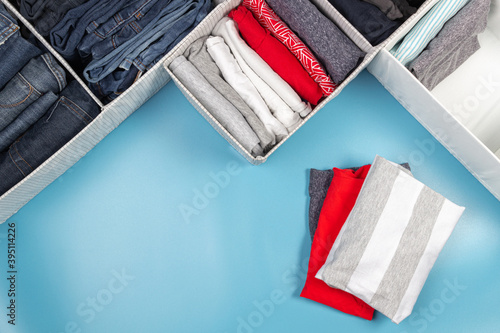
121,20
99,88
135,26
31,89
18,153
140,62
10,29
13,160
118,21
67,102
57,74
138,12
8,32
8,22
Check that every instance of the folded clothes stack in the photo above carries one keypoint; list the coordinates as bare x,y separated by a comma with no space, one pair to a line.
39,110
258,77
114,42
377,232
443,39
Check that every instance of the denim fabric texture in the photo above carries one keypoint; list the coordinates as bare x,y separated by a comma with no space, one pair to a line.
130,31
15,51
177,31
152,32
45,14
33,9
141,49
27,118
123,25
69,115
42,74
115,83
68,33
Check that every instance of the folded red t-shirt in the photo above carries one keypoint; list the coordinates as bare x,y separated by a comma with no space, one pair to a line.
339,201
276,55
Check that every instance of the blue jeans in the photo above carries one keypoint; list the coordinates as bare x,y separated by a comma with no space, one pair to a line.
27,118
45,14
69,115
134,37
112,31
115,83
42,74
143,49
162,45
68,33
15,51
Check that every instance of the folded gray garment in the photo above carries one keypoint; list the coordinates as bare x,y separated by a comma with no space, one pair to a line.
330,45
454,44
431,74
390,241
388,8
198,55
405,8
218,106
319,182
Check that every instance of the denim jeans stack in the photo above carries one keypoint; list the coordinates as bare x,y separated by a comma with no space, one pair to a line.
45,14
44,101
116,41
39,110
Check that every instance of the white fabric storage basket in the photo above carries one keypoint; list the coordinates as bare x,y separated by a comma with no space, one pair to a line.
463,111
111,116
472,140
206,27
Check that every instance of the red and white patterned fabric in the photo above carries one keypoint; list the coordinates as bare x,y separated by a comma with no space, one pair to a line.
268,19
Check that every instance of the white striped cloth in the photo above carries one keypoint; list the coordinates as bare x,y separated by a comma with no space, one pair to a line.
390,241
426,29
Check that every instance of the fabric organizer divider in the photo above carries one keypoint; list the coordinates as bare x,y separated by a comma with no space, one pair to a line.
425,106
205,28
112,115
463,111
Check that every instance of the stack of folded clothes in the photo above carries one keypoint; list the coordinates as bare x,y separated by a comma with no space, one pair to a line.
377,232
114,42
259,77
40,110
443,39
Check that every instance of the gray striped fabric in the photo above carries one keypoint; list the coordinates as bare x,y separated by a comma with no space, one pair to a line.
410,250
390,240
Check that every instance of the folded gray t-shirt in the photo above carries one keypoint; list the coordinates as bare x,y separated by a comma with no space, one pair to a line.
198,55
453,45
218,106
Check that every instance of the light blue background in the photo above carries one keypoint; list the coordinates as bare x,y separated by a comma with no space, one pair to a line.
118,209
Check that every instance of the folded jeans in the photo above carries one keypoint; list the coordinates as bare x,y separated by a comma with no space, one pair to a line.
15,51
69,115
42,74
27,118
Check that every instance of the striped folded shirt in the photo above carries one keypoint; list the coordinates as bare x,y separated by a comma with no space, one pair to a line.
426,29
390,241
